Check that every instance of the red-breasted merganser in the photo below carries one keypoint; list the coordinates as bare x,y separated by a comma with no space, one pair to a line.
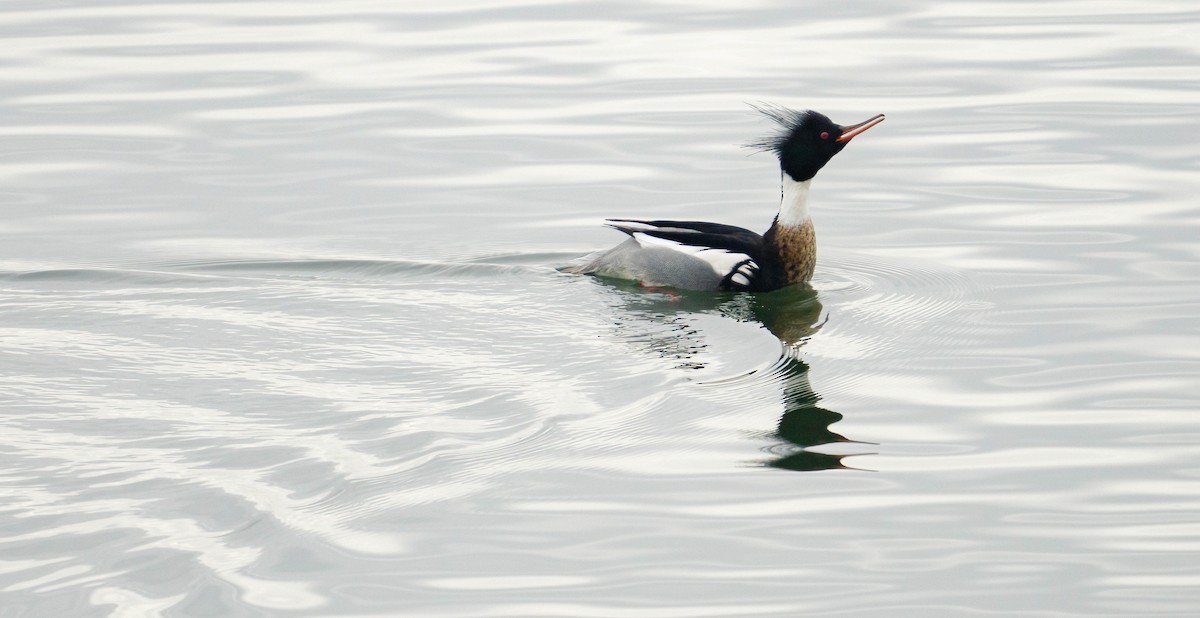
711,256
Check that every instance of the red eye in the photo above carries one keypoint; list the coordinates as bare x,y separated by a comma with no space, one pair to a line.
824,134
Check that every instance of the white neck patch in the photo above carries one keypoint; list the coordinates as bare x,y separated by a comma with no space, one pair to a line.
793,209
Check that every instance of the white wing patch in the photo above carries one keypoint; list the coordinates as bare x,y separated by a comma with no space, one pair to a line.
721,261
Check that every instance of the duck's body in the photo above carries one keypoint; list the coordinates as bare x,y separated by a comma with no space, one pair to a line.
697,255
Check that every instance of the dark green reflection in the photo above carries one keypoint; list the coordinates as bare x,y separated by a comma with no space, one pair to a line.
803,425
793,315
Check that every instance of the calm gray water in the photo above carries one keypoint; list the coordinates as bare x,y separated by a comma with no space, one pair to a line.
281,331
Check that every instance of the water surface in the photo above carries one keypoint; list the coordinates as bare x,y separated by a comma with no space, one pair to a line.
283,332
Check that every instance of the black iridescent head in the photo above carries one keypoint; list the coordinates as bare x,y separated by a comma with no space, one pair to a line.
807,140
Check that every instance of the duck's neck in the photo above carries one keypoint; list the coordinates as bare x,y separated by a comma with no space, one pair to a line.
793,208
792,237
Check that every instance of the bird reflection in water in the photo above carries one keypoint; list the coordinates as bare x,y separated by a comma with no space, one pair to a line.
792,315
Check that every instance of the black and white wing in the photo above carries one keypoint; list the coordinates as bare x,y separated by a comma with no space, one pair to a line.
744,246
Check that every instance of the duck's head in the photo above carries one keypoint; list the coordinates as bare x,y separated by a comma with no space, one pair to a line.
807,140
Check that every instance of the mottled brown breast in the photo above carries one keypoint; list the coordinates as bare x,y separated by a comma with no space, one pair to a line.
796,247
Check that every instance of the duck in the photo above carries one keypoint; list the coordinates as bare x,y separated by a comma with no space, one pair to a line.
698,255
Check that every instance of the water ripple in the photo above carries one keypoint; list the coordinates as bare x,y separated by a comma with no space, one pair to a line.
283,332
